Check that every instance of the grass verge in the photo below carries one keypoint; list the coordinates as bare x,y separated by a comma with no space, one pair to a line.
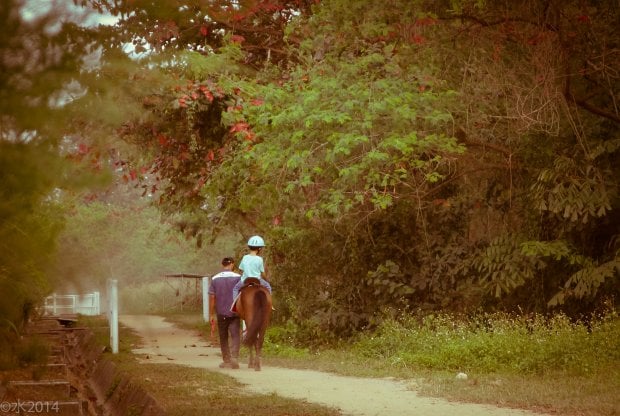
182,390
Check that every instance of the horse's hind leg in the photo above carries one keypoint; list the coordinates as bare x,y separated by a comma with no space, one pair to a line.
259,348
251,360
257,359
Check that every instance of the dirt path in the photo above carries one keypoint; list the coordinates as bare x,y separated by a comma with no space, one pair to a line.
163,342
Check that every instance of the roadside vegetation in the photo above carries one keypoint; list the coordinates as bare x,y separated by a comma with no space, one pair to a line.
544,364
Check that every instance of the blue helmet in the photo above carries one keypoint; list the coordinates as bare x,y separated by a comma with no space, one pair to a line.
256,241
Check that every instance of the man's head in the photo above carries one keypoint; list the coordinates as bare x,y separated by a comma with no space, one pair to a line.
227,261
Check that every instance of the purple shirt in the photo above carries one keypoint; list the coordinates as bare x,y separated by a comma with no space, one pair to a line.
221,286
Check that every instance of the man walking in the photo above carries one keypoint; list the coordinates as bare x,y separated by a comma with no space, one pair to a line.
220,299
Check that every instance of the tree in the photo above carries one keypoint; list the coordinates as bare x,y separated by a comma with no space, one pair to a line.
28,226
430,154
39,58
540,147
259,26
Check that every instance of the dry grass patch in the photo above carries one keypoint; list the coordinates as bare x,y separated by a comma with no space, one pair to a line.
553,393
183,390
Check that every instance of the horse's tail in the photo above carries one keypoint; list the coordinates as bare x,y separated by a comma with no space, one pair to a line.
260,309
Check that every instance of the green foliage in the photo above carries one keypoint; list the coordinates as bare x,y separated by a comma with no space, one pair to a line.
385,139
40,59
385,281
424,155
588,282
577,193
342,144
503,267
287,341
496,344
223,63
589,276
258,27
29,223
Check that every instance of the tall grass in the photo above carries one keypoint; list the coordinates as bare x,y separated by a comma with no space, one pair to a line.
538,363
22,351
496,343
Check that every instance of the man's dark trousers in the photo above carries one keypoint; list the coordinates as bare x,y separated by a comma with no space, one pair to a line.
226,325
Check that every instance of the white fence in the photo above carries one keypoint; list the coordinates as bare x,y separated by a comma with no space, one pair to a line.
86,304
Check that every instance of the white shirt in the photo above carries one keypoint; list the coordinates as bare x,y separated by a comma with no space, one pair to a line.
226,273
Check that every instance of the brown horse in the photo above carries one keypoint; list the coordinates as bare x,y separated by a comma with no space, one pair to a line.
254,307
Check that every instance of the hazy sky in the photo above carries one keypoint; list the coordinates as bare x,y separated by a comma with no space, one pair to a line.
66,10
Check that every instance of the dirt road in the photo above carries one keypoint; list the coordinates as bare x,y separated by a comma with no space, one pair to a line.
163,342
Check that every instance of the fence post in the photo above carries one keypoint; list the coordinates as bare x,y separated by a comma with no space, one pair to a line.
113,315
205,298
108,300
97,305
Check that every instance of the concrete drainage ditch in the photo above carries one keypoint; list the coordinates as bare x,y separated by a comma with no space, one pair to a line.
77,379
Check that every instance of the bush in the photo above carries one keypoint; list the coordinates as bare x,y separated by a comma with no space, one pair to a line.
32,351
496,343
7,358
309,333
